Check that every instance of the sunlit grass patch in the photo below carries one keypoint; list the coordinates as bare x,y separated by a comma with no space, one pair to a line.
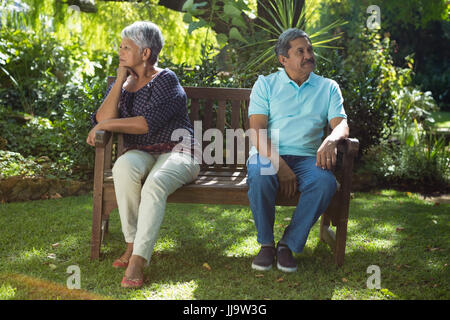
7,292
166,243
245,247
170,291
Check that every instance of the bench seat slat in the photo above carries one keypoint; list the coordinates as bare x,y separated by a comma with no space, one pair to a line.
207,179
221,178
209,173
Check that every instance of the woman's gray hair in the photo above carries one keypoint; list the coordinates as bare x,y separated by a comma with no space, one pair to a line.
283,44
145,34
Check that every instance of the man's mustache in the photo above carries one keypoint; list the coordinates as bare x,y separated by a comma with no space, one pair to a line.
309,60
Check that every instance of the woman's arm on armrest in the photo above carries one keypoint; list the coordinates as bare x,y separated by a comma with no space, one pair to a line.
134,125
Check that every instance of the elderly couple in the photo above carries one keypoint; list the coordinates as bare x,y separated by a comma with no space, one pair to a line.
147,104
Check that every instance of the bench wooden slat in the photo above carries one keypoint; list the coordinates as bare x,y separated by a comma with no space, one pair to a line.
229,179
235,124
236,114
207,115
220,122
194,110
244,110
224,168
223,173
214,93
203,176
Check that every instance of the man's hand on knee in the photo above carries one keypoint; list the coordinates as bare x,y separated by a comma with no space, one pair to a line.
287,180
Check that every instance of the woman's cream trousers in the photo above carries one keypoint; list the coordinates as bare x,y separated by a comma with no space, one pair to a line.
142,184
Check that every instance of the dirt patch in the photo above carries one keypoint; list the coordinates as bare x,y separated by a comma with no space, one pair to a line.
38,289
15,189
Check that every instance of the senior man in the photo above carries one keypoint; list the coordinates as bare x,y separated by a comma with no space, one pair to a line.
288,113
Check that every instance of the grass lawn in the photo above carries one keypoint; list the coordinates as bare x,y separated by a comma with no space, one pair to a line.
205,252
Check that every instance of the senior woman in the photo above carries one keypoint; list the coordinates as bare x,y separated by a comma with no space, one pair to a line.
147,104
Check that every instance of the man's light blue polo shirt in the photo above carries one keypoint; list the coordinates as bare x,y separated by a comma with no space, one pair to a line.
299,113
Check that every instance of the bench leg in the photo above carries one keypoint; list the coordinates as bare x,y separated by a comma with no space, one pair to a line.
336,241
324,224
341,240
96,237
326,233
105,225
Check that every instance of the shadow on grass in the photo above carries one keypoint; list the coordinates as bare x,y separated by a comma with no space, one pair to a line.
205,252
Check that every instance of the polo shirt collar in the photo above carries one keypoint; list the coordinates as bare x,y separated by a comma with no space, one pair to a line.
285,78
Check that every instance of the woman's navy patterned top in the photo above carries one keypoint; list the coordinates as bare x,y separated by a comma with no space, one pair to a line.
163,104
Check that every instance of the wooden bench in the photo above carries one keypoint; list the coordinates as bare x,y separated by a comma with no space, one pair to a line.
221,108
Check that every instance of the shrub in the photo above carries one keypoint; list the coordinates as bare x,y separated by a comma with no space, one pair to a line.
47,94
420,163
33,71
62,140
14,164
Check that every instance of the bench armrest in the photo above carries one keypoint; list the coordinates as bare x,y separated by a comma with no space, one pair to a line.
348,146
102,138
338,210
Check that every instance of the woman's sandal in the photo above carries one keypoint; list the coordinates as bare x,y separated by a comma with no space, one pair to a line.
119,263
132,283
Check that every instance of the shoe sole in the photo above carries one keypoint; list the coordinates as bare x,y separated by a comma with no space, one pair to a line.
286,269
261,268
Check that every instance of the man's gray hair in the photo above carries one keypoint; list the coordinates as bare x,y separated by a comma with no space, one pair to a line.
145,34
283,44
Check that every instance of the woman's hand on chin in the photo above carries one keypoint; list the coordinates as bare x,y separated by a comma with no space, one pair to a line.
124,72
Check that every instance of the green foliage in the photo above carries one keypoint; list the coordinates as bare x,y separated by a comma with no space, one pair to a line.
14,164
251,39
282,15
389,115
227,11
33,137
206,74
433,68
422,164
75,124
423,27
33,70
411,105
47,96
28,135
96,32
379,96
414,14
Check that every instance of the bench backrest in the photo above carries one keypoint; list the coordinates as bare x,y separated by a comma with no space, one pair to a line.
222,109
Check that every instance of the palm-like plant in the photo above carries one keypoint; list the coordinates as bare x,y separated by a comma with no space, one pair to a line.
282,16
